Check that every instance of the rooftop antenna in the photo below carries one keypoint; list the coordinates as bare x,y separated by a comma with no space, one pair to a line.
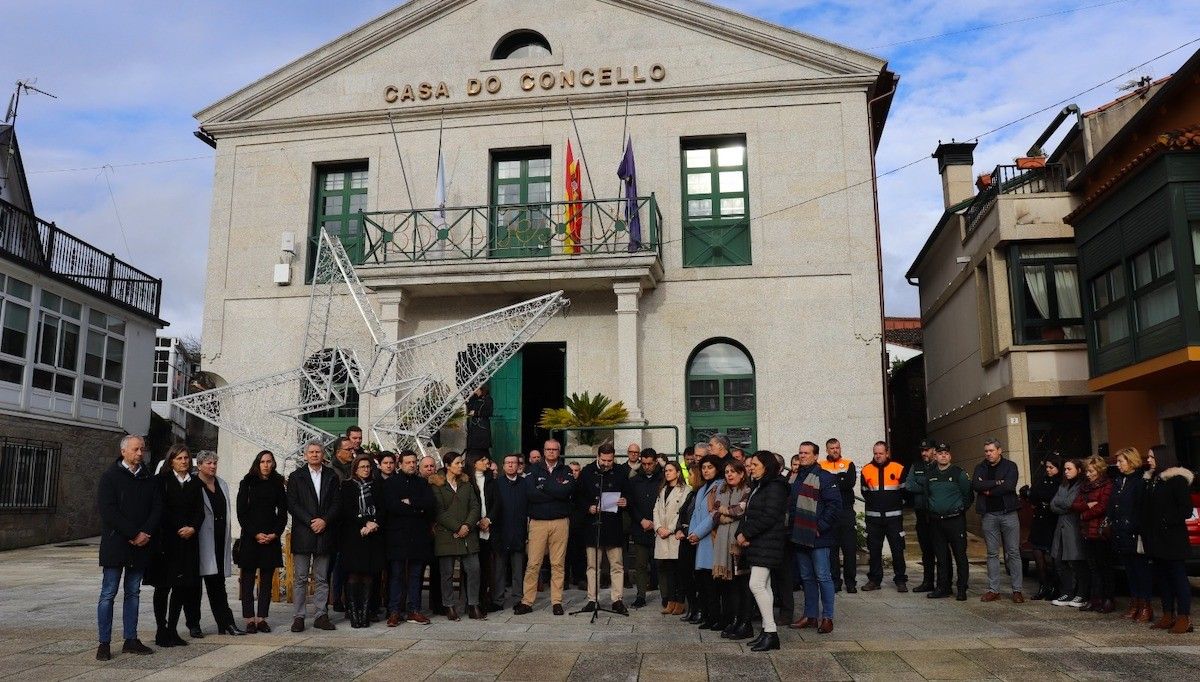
15,101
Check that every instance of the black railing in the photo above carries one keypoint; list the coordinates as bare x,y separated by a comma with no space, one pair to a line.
1011,179
541,230
28,474
42,246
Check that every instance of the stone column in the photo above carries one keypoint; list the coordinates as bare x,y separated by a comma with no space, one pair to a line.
393,314
629,369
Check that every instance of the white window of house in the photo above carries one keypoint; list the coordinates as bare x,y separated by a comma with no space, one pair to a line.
15,299
56,354
162,373
103,366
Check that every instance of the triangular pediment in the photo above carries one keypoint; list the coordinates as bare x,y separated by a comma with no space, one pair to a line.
598,46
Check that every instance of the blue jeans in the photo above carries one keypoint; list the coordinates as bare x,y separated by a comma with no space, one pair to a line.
129,607
404,580
818,581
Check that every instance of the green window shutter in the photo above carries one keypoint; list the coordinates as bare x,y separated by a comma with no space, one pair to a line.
340,194
521,225
716,202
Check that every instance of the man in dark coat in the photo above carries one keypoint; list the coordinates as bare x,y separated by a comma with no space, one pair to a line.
130,509
995,482
814,507
598,480
313,502
510,532
479,423
409,504
642,489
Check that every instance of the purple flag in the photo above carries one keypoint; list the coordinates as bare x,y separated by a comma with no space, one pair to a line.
628,174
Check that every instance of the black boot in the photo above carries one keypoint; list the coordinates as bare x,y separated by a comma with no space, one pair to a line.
925,586
693,609
730,629
163,638
360,606
696,618
757,640
743,630
770,642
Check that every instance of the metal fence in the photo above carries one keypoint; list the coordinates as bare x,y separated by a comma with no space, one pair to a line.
45,247
1011,179
28,474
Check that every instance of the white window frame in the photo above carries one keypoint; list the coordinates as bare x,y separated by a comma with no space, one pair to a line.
109,412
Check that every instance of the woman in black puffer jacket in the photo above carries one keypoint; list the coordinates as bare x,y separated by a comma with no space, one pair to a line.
763,535
1041,530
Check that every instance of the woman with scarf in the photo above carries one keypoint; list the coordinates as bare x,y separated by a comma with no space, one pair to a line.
698,535
763,538
1066,547
361,546
731,575
262,513
1041,530
1092,506
1125,519
456,534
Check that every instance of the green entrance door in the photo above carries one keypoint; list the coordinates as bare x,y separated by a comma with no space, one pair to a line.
720,395
521,224
506,408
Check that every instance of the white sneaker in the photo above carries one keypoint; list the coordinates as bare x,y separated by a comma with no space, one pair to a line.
1064,600
1077,602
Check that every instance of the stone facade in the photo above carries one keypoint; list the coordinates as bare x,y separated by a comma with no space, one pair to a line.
86,452
807,310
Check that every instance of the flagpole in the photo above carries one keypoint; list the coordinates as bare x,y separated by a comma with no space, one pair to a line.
403,172
624,135
582,154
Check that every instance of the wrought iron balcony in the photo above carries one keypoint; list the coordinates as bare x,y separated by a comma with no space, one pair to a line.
515,231
1011,179
43,247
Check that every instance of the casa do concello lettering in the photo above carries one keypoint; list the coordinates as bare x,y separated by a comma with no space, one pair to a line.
529,81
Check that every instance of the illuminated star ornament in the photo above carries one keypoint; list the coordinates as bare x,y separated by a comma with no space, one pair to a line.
425,379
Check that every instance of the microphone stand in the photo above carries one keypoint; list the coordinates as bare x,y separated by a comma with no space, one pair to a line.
599,557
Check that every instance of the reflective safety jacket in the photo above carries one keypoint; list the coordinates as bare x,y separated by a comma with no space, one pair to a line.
843,470
883,489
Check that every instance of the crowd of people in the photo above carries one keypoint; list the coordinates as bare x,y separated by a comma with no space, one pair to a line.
726,536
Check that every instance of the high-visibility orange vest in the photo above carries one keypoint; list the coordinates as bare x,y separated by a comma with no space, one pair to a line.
883,489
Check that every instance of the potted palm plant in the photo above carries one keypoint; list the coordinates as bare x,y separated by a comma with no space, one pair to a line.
584,411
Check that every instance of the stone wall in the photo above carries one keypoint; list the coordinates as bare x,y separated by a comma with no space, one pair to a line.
86,452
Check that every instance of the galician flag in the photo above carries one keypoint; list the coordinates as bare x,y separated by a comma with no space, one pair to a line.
439,216
573,216
628,174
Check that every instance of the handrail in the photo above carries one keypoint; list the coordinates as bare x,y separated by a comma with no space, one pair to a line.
48,249
496,231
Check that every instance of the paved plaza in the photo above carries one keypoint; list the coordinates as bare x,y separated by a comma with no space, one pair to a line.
47,632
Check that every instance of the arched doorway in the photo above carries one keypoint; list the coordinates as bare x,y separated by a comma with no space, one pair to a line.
721,393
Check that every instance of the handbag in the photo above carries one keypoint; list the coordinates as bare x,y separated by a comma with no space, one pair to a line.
237,551
1105,529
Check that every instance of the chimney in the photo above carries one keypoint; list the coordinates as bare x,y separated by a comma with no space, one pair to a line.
954,165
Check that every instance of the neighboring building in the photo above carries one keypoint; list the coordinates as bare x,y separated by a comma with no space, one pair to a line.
718,320
902,339
1138,235
1005,354
77,333
174,368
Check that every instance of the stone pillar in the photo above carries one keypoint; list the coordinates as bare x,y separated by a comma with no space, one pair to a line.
393,314
629,370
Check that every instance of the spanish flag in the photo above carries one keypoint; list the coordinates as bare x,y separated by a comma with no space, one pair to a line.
573,216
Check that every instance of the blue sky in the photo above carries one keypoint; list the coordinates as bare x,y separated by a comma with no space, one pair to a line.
129,74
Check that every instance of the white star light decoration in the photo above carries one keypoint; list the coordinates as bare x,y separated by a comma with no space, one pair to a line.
425,378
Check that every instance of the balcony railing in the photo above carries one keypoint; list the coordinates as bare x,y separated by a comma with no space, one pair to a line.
1009,179
506,231
44,247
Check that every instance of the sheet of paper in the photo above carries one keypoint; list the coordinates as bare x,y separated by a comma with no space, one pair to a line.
608,501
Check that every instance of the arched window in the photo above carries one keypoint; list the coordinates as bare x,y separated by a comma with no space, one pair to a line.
721,393
332,419
521,44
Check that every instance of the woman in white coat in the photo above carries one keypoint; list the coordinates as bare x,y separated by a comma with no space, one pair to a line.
666,546
216,543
